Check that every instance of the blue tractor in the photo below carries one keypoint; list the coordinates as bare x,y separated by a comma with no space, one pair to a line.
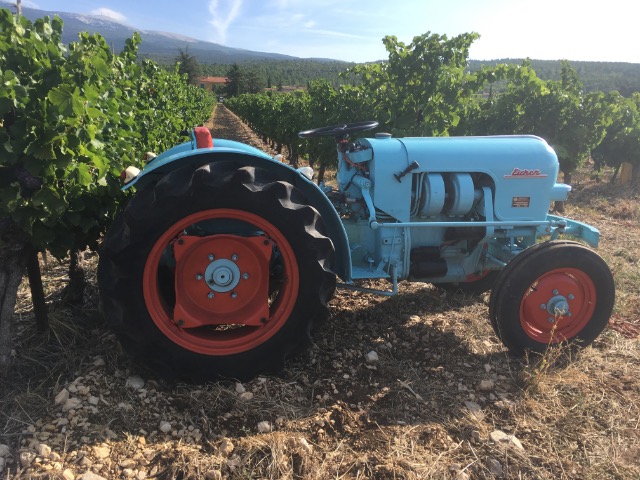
236,255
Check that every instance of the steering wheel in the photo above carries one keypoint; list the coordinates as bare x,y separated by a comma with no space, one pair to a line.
338,130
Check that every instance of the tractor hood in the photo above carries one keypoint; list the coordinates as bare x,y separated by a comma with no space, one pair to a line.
514,166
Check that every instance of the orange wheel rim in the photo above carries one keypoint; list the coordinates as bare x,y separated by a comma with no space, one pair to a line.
221,294
558,305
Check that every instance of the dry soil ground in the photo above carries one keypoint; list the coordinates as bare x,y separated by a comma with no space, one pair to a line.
443,400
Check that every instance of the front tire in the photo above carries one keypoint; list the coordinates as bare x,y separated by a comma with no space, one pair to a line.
217,272
552,293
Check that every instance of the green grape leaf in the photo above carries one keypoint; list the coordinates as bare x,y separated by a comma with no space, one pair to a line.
5,105
49,199
42,234
42,152
100,66
67,100
74,218
97,144
83,174
33,165
9,197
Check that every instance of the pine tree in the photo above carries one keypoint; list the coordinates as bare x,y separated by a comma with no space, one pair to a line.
188,64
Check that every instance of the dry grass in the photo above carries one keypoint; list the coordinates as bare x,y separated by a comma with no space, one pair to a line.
412,415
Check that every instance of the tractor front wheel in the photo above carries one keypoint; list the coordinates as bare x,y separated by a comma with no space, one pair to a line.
217,272
553,293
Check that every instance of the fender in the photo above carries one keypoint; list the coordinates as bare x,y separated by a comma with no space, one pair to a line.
244,155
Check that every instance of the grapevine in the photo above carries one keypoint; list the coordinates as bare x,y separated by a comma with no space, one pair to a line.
72,117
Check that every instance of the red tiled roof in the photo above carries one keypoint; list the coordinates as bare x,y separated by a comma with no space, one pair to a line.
212,79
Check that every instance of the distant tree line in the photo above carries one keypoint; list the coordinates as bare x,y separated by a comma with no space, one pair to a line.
595,76
286,72
270,73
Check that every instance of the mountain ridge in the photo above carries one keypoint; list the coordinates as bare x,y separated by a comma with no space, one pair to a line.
155,44
163,47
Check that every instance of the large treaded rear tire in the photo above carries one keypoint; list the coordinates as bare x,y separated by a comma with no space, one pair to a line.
224,208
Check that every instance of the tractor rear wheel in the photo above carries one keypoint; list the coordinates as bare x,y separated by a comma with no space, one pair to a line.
217,272
552,293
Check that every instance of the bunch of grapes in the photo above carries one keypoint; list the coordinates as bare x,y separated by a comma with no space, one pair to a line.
28,183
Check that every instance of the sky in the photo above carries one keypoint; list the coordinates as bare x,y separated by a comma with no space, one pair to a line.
352,30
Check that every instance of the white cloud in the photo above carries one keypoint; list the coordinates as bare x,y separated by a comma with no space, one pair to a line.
30,4
107,12
333,33
310,24
223,13
309,5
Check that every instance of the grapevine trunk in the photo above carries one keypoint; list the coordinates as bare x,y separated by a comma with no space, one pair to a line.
14,249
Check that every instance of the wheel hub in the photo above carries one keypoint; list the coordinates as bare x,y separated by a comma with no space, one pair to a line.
558,305
222,275
221,280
